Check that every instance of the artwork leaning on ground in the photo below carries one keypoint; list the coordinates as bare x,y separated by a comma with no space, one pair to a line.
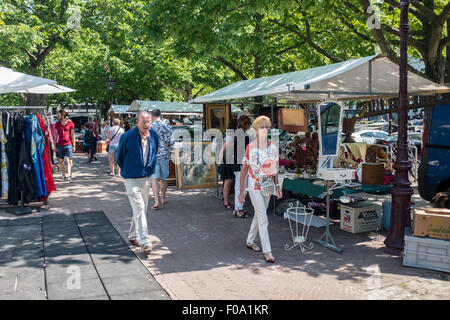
195,166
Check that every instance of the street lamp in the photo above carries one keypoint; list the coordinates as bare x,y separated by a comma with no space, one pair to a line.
110,84
401,191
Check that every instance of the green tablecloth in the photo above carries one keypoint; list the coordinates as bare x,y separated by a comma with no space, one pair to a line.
306,187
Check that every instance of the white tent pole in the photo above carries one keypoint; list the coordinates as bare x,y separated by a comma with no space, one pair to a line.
370,76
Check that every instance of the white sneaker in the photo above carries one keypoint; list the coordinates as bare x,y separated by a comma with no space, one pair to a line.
111,174
70,180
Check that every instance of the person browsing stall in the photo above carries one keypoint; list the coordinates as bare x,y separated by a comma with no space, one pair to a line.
166,139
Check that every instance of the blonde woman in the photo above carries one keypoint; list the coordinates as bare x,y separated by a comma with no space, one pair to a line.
260,161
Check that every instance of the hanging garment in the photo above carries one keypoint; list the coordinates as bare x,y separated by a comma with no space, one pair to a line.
37,149
12,152
49,182
25,164
3,164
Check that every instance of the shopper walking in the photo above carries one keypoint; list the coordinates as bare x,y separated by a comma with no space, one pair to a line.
166,140
260,161
136,157
113,143
65,132
89,142
104,129
226,168
240,143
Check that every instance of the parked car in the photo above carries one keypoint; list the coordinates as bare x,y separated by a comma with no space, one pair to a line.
369,136
414,139
434,169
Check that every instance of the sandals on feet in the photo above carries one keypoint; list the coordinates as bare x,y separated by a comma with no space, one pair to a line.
227,206
242,216
268,257
253,247
155,207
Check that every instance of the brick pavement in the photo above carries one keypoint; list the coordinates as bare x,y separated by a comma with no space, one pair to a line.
200,253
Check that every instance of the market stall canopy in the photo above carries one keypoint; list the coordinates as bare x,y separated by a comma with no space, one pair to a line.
120,109
47,89
172,107
12,81
358,79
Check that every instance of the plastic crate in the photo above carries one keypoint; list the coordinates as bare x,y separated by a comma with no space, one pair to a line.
426,253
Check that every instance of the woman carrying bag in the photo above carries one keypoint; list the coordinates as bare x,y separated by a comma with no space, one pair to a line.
261,163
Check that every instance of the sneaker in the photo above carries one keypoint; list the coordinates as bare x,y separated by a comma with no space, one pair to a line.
64,178
111,174
70,180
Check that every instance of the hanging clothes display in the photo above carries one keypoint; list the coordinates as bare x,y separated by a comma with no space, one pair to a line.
37,149
25,168
3,163
12,152
49,182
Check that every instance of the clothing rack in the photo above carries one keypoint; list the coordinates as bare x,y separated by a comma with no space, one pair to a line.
23,209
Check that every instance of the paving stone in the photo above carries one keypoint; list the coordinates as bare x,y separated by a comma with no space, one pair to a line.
108,248
52,233
90,216
107,237
68,260
120,268
64,250
87,288
149,295
102,258
97,230
63,239
103,297
34,281
25,221
130,284
60,274
22,229
25,295
57,218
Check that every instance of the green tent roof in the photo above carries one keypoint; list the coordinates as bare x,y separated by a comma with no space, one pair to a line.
172,107
120,108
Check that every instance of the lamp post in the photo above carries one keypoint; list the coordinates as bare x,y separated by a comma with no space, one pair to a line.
110,84
401,191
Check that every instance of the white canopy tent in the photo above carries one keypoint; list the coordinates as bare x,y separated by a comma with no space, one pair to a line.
12,81
47,89
358,79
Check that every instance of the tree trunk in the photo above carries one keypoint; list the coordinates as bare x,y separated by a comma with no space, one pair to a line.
187,91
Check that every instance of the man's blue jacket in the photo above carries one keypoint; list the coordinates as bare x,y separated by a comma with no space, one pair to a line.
129,154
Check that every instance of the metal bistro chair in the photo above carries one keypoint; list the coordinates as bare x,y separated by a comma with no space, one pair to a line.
301,215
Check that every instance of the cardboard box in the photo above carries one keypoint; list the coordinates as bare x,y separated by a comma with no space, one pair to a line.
433,223
360,217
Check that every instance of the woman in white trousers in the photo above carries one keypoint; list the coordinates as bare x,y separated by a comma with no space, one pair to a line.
260,160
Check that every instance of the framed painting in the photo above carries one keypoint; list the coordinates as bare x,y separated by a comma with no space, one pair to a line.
217,116
292,120
194,174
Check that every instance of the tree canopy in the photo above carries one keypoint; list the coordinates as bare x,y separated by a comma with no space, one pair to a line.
174,50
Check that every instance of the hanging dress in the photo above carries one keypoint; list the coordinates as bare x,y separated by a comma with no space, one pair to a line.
49,182
12,152
3,164
37,149
26,169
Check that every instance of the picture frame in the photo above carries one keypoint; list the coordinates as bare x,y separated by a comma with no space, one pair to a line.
293,120
217,116
192,175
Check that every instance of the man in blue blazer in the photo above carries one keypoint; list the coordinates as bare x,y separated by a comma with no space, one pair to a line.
136,157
